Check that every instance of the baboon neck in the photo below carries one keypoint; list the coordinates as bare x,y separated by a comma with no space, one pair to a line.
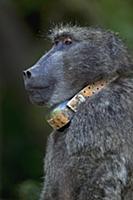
63,114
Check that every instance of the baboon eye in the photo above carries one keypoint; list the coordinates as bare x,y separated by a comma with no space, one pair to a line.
67,41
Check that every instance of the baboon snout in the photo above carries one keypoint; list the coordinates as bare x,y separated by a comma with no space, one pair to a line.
33,78
38,84
40,79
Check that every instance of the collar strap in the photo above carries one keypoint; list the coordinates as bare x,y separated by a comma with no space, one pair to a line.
63,114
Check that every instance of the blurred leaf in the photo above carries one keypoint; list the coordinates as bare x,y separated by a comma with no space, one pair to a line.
29,190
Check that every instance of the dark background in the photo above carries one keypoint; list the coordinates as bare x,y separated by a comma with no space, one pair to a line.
23,29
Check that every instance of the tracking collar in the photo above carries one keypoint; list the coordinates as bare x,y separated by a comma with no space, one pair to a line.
62,114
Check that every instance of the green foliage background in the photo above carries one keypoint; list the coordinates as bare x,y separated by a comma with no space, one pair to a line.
24,24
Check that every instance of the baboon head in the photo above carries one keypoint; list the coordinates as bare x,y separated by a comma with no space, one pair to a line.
78,57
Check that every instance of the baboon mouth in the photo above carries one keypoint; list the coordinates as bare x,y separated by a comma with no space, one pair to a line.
36,88
38,96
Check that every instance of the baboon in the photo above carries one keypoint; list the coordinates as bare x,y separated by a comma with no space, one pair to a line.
89,154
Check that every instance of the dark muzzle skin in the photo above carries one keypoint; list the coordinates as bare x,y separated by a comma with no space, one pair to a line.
38,80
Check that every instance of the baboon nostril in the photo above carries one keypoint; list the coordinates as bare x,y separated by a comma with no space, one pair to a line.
24,74
28,74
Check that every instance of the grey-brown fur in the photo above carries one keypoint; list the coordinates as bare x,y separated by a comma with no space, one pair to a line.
92,158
